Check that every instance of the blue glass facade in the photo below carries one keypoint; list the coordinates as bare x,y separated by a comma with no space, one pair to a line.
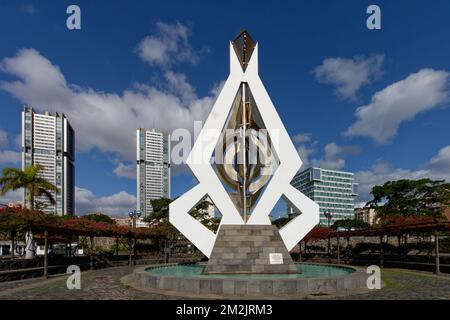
334,191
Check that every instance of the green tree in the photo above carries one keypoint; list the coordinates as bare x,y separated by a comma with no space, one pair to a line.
29,179
99,217
349,224
405,198
160,209
280,222
36,186
201,213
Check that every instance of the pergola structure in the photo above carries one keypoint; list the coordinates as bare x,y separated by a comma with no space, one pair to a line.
431,226
49,227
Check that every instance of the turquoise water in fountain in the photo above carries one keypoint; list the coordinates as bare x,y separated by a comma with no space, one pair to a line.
305,271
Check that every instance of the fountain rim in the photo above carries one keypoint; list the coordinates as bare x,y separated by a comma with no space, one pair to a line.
234,288
228,276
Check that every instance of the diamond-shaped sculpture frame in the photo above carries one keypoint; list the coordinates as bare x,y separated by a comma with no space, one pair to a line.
209,183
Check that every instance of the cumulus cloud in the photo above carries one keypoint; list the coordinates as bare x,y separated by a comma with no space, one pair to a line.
106,121
305,147
349,75
302,137
399,102
125,171
334,156
29,9
118,204
3,139
10,157
18,140
11,196
437,168
178,84
7,156
170,45
441,162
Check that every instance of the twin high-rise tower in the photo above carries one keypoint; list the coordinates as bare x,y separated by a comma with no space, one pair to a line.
153,167
49,140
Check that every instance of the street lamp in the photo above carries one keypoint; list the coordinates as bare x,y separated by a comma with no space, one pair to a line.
328,214
134,215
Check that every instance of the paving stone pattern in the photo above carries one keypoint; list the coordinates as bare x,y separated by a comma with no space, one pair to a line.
105,284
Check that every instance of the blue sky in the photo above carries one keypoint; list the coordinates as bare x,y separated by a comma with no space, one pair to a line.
136,63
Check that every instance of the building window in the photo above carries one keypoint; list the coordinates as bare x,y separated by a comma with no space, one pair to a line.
316,174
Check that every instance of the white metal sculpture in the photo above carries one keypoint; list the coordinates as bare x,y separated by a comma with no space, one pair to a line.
244,106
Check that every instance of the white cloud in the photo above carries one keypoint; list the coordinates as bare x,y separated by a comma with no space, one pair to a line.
18,141
10,157
334,156
305,147
302,138
118,204
106,121
441,162
437,168
177,84
349,75
28,8
304,152
399,102
3,139
170,45
125,171
11,196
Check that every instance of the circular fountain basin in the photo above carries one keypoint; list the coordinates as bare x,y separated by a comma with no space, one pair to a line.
187,280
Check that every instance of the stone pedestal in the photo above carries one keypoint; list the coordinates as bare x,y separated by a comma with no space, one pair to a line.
249,249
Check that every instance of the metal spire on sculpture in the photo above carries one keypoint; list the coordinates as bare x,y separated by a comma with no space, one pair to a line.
247,157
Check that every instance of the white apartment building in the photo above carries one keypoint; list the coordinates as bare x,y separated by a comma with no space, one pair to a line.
153,167
49,140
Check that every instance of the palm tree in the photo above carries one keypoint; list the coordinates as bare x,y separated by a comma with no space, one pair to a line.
29,179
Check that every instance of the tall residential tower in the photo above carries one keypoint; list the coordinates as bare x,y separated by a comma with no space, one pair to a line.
153,167
49,140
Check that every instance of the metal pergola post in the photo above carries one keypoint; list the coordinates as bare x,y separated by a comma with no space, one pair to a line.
381,252
338,251
92,253
436,237
130,241
329,249
45,254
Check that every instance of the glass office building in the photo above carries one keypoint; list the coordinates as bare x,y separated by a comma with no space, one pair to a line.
153,168
334,191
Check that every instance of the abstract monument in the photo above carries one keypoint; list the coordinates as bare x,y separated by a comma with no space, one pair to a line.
244,161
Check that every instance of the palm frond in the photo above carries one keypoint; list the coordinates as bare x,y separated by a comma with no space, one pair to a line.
47,194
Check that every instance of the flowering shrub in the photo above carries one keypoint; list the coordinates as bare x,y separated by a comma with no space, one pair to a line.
21,219
402,221
318,233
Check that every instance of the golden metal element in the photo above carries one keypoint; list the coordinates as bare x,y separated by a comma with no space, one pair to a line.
247,158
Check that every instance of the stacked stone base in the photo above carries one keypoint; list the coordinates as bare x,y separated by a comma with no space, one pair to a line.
247,249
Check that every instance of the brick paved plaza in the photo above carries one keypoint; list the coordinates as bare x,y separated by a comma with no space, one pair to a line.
105,284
